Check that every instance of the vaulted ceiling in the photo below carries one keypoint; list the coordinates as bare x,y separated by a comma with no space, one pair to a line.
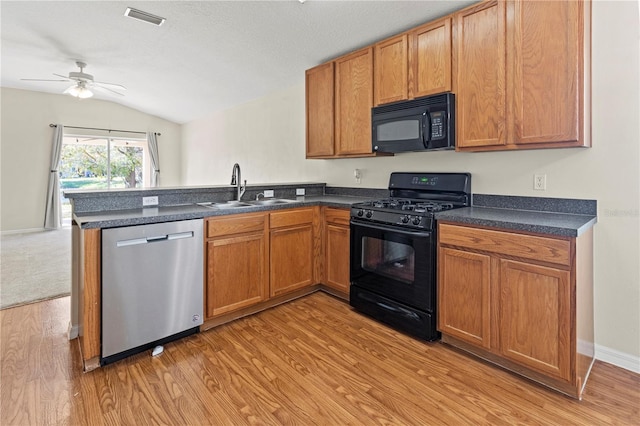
207,56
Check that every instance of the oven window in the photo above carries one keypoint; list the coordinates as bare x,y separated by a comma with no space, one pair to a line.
388,258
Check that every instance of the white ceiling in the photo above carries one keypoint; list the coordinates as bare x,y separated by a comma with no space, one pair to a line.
208,55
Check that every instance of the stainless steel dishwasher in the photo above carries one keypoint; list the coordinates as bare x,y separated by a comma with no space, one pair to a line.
152,286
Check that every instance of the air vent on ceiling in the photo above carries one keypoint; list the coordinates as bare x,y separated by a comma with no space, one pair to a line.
144,16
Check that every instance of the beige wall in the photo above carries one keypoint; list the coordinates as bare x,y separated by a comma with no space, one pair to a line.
26,146
267,138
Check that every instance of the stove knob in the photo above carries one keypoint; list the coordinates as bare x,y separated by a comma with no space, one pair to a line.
405,219
360,212
369,214
416,220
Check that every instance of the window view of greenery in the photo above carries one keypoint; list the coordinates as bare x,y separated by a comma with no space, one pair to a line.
95,163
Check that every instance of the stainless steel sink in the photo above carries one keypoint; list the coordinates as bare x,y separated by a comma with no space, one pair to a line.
241,204
227,205
272,201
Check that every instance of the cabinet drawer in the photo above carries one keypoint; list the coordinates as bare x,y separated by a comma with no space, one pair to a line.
235,224
337,216
523,246
291,217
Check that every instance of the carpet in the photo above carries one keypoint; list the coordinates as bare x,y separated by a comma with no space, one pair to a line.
34,266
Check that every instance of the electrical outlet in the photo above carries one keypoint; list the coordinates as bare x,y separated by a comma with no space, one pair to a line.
540,182
268,193
149,201
299,191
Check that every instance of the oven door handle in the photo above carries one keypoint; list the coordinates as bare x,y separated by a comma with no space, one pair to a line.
397,230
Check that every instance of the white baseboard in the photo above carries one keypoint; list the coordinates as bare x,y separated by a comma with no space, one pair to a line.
73,331
22,231
617,358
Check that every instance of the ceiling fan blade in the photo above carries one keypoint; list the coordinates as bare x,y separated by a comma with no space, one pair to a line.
102,83
39,79
106,89
63,76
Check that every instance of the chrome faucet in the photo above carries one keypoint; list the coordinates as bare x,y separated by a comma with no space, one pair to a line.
236,180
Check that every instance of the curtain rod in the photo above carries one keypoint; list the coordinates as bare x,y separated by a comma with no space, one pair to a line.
106,130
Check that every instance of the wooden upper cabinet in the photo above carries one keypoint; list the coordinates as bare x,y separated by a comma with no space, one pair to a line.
545,52
520,71
320,110
430,59
521,75
391,70
354,100
481,76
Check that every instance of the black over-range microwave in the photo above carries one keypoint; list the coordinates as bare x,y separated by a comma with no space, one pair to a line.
421,124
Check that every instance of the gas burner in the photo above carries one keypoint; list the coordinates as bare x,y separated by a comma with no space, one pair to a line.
417,206
411,204
432,206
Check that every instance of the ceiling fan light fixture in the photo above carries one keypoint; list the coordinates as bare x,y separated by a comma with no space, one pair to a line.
79,91
144,16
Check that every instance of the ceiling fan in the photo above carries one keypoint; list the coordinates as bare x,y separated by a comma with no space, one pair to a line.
83,83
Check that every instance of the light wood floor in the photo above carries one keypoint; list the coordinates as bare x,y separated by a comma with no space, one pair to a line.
312,361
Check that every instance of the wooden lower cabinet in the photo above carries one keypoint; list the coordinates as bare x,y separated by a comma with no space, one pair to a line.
467,276
535,316
258,257
237,259
524,302
336,249
291,241
86,293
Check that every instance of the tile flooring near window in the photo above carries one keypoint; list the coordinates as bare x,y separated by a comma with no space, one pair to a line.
310,361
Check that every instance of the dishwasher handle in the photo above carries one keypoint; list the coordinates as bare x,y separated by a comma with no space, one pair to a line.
156,239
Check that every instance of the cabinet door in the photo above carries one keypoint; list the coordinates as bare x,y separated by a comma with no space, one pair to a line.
535,317
481,101
291,255
545,72
430,59
320,111
464,295
236,273
337,257
354,99
390,72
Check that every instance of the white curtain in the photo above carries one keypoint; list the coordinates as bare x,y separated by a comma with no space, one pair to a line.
53,212
152,141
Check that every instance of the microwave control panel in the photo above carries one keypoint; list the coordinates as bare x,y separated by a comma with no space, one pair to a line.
437,125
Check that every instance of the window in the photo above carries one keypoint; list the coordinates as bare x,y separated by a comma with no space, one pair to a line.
89,162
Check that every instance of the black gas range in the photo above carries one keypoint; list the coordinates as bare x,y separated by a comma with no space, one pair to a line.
393,249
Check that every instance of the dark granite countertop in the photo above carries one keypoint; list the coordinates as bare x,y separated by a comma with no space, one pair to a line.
117,218
540,222
551,216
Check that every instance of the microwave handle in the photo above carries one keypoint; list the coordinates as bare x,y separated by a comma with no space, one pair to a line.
426,128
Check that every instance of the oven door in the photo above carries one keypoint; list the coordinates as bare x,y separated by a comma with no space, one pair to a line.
394,262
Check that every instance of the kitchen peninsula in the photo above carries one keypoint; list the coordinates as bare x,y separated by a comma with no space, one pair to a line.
524,257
